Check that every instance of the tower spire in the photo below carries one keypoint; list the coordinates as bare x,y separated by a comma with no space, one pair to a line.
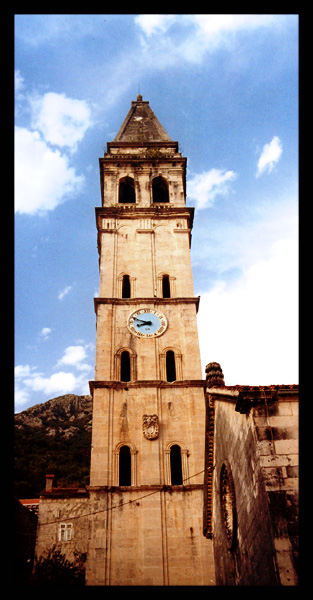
141,125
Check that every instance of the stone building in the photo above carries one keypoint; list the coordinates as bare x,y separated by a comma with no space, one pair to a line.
164,441
251,481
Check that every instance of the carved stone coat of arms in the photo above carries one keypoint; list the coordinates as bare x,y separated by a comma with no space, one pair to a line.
150,426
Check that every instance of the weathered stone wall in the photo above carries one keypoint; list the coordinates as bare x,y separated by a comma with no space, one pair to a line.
149,536
257,439
277,431
251,562
61,507
157,539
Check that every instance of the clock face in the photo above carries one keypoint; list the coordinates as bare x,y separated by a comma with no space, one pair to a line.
147,322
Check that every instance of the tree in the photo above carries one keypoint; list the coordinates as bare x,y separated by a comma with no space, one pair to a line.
55,569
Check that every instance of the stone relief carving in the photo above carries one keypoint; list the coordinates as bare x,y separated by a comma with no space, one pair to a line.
150,426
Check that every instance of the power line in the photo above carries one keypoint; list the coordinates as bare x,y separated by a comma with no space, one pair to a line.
163,488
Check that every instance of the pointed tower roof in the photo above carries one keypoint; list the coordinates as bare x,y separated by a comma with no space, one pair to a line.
141,125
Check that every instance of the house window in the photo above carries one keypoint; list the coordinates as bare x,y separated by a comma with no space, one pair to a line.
126,192
176,465
125,466
125,366
65,532
126,287
160,190
166,291
170,366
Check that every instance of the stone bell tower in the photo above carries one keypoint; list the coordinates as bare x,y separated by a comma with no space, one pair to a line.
147,460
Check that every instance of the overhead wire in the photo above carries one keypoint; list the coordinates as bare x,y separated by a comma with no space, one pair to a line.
107,509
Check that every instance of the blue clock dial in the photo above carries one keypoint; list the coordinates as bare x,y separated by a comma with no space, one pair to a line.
147,322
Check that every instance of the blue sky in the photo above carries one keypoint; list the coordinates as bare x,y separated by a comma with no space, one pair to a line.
226,88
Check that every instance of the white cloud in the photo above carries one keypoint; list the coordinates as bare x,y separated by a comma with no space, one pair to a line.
194,35
18,81
43,177
28,381
154,23
62,121
21,396
22,371
213,25
64,292
45,332
74,356
250,326
204,187
271,154
209,25
58,383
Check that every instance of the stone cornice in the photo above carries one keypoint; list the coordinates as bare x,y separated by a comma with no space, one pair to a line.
247,397
142,144
157,383
142,488
156,301
141,212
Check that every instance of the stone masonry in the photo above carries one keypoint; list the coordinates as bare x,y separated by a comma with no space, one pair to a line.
255,431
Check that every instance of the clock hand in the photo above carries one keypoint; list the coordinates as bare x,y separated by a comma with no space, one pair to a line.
144,323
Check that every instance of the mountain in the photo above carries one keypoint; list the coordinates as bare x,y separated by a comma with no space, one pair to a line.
53,437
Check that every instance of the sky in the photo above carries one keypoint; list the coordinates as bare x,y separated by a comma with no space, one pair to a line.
226,88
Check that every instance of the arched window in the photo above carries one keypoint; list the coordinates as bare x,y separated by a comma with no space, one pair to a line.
170,366
126,287
124,466
176,465
125,366
160,190
166,290
126,192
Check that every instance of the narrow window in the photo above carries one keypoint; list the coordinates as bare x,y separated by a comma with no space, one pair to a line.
126,193
126,287
170,366
166,286
160,190
176,466
125,466
65,532
125,366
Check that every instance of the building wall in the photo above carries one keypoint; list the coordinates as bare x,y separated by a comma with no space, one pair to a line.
277,431
152,533
252,560
149,536
256,436
59,507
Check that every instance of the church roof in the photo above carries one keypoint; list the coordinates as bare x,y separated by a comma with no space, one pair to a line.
141,125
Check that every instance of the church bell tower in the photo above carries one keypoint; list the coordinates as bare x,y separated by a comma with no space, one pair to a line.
147,458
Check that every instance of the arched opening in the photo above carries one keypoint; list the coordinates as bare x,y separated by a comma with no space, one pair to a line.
176,465
125,366
166,290
126,286
170,366
126,192
125,466
160,190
